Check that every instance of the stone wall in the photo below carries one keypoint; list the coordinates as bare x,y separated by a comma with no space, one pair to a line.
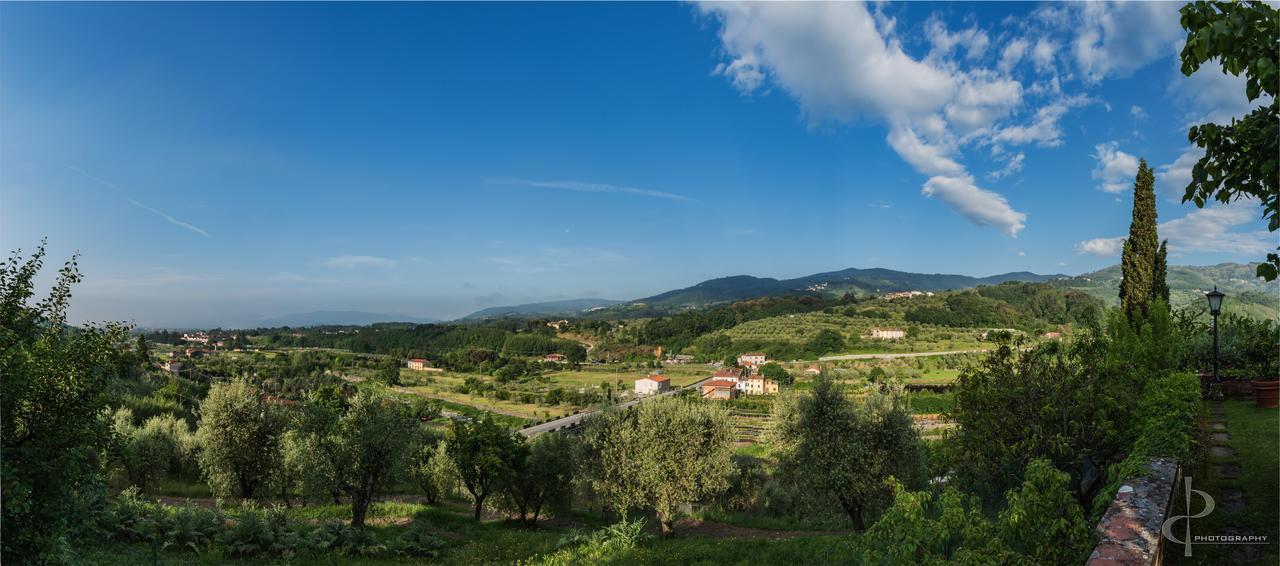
1130,529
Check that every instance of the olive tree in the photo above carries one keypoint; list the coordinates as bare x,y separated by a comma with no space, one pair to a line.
365,446
542,476
844,452
660,455
484,453
432,468
240,436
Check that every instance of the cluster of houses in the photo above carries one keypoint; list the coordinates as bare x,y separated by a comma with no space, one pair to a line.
728,383
906,295
886,334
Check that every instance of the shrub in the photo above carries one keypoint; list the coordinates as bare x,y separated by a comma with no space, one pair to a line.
419,540
1167,411
607,543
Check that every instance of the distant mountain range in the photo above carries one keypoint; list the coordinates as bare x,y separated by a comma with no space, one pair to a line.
1250,295
743,287
569,307
336,318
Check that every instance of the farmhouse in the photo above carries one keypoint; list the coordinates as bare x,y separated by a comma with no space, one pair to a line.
419,364
557,358
680,359
887,334
758,386
652,384
558,324
1051,335
752,359
720,389
728,374
813,370
172,366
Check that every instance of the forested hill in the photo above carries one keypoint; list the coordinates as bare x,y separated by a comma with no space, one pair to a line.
1247,294
723,290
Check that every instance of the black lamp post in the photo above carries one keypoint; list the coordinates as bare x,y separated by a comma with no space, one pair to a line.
1215,307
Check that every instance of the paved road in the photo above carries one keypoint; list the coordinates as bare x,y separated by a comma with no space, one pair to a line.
574,420
894,356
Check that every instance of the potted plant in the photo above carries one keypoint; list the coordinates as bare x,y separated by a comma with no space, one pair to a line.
1236,382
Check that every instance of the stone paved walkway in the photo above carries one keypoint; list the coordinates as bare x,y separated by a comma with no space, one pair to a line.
1230,498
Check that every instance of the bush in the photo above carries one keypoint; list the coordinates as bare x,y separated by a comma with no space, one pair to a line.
418,540
1167,412
610,542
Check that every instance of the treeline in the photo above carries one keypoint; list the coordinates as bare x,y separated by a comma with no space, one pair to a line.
1026,306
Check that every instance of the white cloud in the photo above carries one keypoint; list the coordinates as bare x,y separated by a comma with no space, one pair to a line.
1043,129
831,58
841,62
1212,95
1022,254
974,40
1043,53
1101,246
929,159
1013,52
980,206
1115,39
1116,169
1174,177
743,72
1012,166
587,187
981,100
357,261
1211,229
1137,112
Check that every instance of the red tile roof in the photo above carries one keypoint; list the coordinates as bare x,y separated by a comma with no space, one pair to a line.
422,360
727,373
719,383
658,377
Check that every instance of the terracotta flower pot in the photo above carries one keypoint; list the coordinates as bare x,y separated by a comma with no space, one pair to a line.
1237,388
1267,393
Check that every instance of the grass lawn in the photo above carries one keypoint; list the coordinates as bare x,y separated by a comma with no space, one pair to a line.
939,376
1254,438
928,403
701,550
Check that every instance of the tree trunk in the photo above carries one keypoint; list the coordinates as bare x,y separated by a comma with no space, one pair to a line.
854,510
479,506
665,527
359,506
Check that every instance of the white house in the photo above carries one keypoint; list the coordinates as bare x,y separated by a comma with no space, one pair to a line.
752,359
652,384
173,366
887,334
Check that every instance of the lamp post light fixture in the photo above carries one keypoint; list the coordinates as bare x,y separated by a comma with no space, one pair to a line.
1215,307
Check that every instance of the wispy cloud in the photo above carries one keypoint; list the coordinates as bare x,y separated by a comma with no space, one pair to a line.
357,261
588,187
1234,228
160,213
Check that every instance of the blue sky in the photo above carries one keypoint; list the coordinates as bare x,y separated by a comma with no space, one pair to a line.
216,164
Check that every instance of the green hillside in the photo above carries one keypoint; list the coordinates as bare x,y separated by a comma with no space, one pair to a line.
1247,295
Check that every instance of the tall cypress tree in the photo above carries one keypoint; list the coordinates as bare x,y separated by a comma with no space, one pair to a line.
1159,284
1137,263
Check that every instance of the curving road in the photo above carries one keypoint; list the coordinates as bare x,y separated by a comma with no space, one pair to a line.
574,420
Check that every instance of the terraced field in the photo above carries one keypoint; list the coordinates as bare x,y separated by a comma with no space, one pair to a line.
800,328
